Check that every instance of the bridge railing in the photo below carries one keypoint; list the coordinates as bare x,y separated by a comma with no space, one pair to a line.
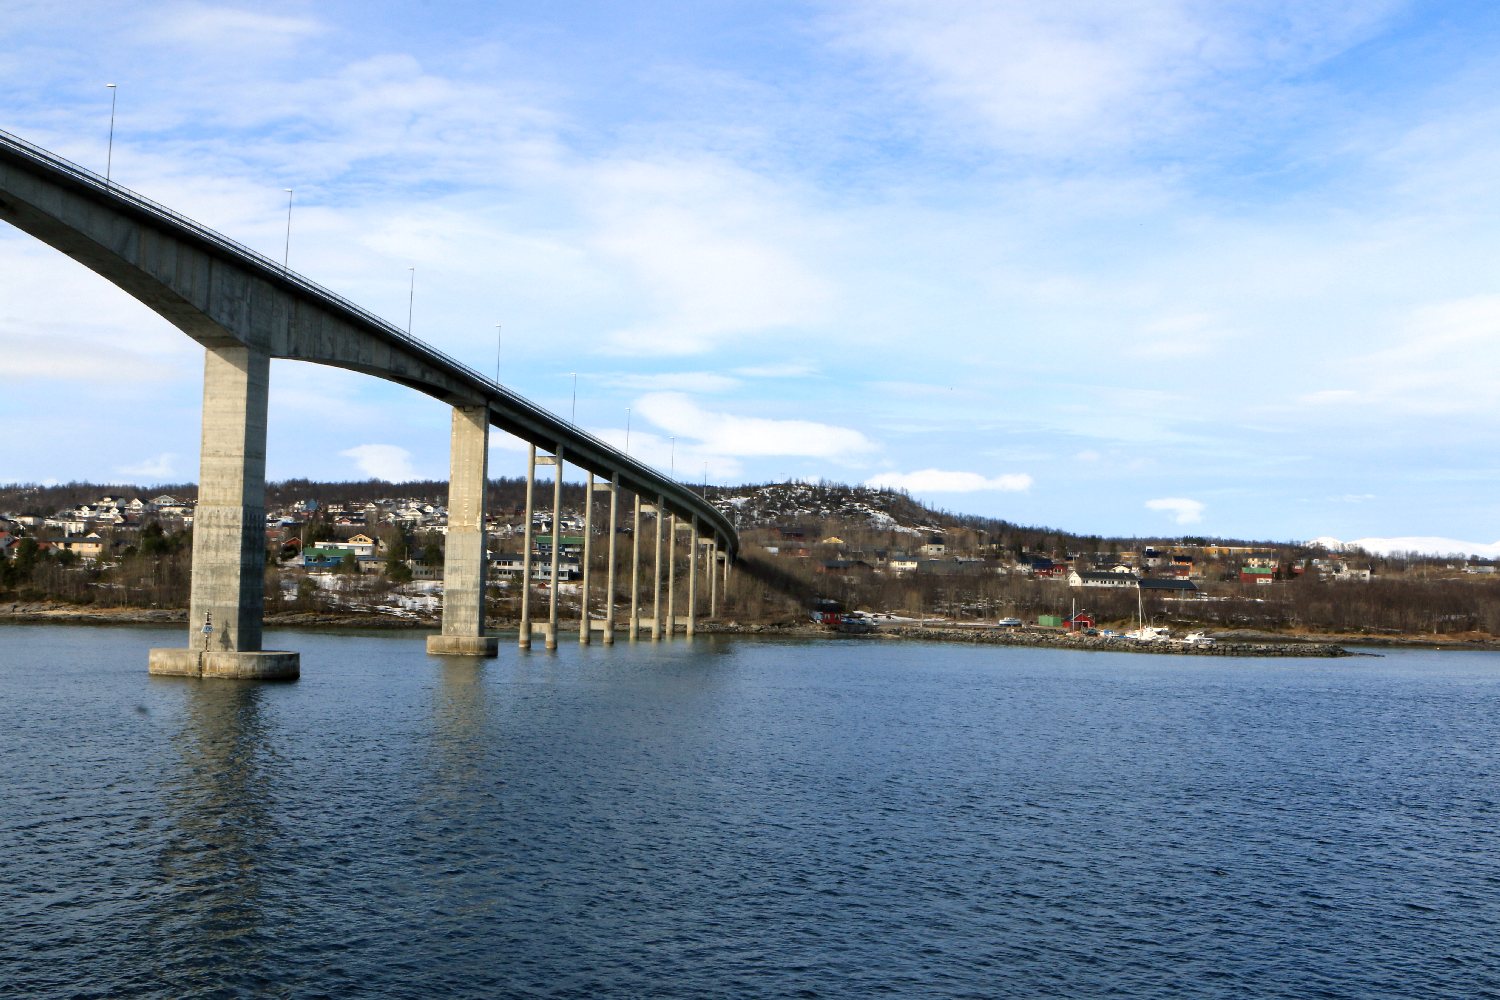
110,188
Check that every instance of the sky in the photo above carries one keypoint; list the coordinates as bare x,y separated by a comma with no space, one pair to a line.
1120,267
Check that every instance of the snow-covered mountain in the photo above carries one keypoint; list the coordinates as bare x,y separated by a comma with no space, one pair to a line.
1424,544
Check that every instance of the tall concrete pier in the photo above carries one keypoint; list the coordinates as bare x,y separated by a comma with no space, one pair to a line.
229,533
463,553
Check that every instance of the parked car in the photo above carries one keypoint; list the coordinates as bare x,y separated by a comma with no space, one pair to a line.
1009,623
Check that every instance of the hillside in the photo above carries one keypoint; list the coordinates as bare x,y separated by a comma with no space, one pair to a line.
875,550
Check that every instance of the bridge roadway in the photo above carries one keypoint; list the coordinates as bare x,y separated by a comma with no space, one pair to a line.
246,309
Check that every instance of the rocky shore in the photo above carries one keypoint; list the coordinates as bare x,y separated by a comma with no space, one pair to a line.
1228,643
1044,638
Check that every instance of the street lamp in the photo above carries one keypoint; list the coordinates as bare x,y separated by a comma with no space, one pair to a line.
411,299
286,254
114,95
497,353
573,417
627,430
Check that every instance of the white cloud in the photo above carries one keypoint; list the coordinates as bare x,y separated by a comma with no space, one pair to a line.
789,369
382,461
203,25
159,469
1184,335
1183,510
62,359
1092,74
687,461
1412,375
717,252
730,434
700,382
509,443
941,481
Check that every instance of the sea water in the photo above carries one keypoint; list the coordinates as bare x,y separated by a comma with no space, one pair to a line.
738,818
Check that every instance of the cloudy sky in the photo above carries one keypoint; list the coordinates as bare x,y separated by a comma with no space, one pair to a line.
1115,266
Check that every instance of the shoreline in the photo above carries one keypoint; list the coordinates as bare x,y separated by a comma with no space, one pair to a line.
1227,643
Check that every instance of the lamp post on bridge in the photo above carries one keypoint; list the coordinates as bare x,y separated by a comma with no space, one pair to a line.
286,254
109,156
411,299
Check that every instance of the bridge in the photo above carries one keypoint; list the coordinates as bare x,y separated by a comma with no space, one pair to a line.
245,309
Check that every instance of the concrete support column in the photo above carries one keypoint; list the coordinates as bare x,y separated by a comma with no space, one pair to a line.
463,551
557,470
672,576
609,586
229,529
692,607
656,573
635,572
713,577
585,625
523,638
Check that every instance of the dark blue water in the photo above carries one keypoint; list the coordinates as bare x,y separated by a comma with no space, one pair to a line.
739,818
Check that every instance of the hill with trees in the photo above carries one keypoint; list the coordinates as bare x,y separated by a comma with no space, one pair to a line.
880,551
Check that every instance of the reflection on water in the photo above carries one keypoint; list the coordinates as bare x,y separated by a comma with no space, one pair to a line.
219,803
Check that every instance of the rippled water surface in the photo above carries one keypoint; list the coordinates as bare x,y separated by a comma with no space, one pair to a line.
740,818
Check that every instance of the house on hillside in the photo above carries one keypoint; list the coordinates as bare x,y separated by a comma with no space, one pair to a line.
1042,568
1095,578
86,547
360,544
1259,575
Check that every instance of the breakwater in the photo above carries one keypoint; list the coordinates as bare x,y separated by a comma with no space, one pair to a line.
1047,638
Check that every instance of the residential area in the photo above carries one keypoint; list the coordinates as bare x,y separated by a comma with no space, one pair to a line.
377,547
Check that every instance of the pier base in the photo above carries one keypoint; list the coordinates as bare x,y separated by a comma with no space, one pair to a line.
463,645
266,665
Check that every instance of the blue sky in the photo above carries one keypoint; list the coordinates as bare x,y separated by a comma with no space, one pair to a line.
1148,267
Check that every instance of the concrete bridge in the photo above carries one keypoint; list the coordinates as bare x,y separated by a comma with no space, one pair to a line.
246,309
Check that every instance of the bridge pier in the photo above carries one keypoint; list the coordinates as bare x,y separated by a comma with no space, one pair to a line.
609,577
713,576
692,595
634,628
671,624
523,634
463,553
229,544
557,484
656,571
585,623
